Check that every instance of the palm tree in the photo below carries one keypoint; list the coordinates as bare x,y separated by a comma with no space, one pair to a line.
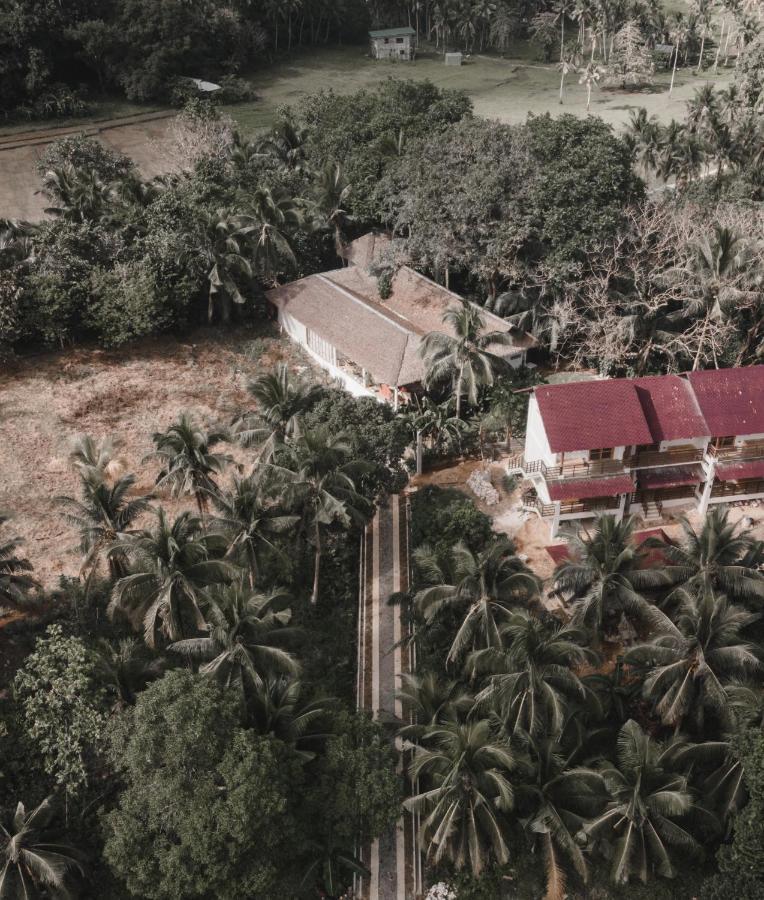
685,673
169,568
79,194
531,674
127,667
469,792
15,580
249,523
188,463
645,132
281,400
34,862
239,648
429,701
104,513
91,456
273,215
286,142
561,798
721,558
280,708
646,806
463,357
319,475
219,242
604,575
332,192
591,76
565,67
483,587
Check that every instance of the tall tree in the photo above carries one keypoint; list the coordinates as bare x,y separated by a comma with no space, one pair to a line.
189,464
15,578
463,357
169,568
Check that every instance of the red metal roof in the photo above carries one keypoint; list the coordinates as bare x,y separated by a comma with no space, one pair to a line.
741,470
670,407
671,476
585,489
731,400
584,415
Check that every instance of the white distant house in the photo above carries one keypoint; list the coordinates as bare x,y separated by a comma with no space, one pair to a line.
644,445
393,43
370,343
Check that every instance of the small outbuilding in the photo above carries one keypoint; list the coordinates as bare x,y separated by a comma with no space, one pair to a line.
453,59
393,43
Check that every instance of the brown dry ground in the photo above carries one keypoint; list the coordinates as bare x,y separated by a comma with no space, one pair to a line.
144,142
47,400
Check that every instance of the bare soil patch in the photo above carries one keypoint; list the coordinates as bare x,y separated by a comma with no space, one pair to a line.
47,400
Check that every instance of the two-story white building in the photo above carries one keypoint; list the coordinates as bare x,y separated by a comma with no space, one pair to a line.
643,446
393,43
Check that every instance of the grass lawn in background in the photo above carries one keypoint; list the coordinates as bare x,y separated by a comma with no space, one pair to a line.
501,88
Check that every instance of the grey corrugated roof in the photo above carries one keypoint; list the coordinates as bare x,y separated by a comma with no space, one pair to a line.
392,32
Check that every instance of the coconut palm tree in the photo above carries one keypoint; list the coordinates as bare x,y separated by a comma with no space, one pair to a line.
530,675
34,862
429,700
463,357
591,77
645,815
15,580
188,463
103,514
241,646
482,587
219,243
604,575
319,477
286,142
561,798
79,194
332,870
645,132
126,667
565,67
685,673
169,569
281,400
280,707
469,791
273,216
332,192
250,522
721,558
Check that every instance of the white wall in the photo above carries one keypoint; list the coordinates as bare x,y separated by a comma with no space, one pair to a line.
536,441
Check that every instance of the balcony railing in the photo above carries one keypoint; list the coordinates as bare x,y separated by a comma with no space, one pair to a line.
531,501
580,469
580,506
747,451
646,459
737,488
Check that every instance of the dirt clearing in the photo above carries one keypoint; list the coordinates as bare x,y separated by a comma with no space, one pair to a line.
47,400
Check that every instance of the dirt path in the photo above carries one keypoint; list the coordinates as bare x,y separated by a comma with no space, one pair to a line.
392,859
143,137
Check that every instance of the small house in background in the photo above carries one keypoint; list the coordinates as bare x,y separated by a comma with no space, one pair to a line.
453,59
393,43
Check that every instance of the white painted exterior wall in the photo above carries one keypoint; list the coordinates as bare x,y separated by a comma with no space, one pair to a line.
393,47
299,334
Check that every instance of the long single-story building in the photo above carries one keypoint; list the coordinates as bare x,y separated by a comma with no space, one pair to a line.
370,343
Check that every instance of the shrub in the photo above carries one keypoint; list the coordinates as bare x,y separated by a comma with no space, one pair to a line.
86,153
441,517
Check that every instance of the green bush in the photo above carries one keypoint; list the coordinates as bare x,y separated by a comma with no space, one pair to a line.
441,517
125,305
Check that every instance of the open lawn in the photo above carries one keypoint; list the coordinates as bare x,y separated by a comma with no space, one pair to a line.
47,400
505,89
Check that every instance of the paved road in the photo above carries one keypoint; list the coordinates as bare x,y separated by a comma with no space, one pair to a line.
392,859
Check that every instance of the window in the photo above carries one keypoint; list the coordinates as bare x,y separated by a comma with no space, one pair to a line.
601,453
723,442
399,40
649,448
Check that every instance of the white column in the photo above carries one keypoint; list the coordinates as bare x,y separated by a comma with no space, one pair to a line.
555,527
621,506
705,498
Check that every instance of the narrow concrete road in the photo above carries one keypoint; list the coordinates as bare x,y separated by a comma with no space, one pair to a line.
392,859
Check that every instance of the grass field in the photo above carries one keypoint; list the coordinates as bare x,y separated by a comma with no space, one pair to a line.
505,89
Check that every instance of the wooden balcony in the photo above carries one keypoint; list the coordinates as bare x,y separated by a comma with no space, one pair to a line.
680,456
578,469
570,507
731,454
737,488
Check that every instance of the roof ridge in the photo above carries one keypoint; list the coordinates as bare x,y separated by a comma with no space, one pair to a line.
378,308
